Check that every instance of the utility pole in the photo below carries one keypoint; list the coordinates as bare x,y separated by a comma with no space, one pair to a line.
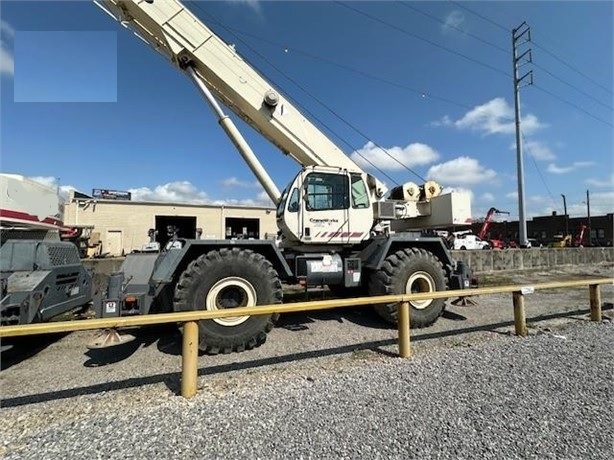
521,32
588,211
566,217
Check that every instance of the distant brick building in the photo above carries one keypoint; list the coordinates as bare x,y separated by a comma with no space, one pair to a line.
121,226
544,228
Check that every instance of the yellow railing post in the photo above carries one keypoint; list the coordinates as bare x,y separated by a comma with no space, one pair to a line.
403,323
520,321
595,299
189,377
189,359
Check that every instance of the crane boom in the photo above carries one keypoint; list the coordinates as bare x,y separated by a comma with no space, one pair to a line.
175,32
221,75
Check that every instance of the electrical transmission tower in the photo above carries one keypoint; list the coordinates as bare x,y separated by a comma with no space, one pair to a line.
520,36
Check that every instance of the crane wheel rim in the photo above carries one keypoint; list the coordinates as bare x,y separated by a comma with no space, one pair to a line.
418,282
228,291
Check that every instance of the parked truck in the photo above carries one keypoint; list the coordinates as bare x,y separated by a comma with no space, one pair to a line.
339,226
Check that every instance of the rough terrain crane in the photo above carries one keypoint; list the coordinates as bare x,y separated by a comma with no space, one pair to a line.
338,225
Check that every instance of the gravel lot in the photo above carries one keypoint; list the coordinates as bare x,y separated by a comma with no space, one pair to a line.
329,385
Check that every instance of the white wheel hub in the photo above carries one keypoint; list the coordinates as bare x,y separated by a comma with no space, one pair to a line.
420,282
231,292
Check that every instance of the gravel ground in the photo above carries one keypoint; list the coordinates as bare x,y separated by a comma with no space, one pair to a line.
548,396
329,386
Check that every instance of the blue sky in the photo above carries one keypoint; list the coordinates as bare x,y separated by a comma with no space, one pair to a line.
428,81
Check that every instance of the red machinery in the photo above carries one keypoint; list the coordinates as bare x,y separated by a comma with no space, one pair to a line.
578,242
494,243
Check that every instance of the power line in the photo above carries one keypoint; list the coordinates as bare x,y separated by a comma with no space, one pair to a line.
539,33
571,86
480,16
572,105
452,26
537,45
496,24
298,85
417,37
526,145
353,70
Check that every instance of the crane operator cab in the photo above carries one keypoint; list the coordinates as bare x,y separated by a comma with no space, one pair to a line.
326,205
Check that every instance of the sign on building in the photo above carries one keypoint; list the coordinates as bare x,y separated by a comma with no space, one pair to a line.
106,194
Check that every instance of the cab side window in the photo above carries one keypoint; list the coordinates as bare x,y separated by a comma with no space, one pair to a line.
360,197
293,202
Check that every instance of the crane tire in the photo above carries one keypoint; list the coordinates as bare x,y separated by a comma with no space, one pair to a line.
229,278
410,270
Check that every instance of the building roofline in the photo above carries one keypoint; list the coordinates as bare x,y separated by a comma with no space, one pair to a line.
176,204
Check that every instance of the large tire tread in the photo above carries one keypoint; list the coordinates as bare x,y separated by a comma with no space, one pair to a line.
203,271
393,274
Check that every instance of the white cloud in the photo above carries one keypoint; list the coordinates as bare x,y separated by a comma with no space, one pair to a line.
186,192
538,150
461,171
52,182
234,182
7,63
602,203
554,169
394,158
608,182
512,195
444,121
453,21
174,192
49,181
539,199
494,117
262,199
488,197
254,4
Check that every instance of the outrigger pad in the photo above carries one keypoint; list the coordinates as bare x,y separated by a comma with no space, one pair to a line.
464,302
110,338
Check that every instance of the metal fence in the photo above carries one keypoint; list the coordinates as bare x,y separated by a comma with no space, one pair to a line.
190,319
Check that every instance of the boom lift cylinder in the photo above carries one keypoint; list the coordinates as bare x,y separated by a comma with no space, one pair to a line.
237,139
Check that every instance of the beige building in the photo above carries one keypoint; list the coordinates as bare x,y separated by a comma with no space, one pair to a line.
121,226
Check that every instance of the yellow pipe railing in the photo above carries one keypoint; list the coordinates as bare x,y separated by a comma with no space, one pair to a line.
190,318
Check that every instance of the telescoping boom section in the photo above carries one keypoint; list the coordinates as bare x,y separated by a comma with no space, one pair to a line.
222,75
174,31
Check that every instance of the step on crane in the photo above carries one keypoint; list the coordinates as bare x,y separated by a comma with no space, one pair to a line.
339,226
